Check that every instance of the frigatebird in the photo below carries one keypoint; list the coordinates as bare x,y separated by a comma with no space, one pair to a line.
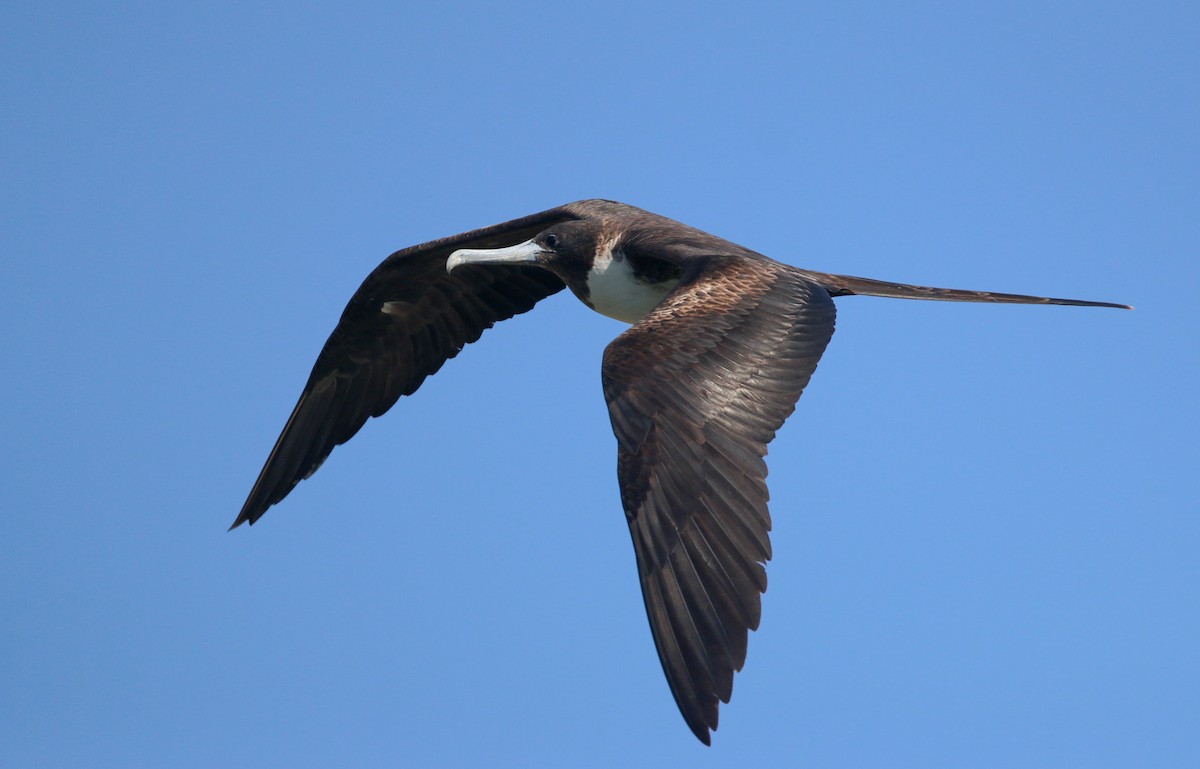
723,341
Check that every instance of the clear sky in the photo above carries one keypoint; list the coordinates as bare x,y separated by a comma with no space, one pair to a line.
987,538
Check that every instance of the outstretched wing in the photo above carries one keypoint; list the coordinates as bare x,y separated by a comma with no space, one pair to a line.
407,318
696,391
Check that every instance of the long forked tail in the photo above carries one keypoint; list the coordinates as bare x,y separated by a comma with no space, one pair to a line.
846,285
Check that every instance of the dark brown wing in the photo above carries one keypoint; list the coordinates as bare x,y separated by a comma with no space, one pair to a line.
407,318
696,391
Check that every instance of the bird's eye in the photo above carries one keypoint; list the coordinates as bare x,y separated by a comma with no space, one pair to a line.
551,241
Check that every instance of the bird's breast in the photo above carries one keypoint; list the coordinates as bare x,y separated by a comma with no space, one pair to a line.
615,290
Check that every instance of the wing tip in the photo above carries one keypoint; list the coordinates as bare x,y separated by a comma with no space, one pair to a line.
246,516
702,731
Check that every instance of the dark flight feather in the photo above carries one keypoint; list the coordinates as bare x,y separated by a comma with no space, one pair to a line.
696,391
406,319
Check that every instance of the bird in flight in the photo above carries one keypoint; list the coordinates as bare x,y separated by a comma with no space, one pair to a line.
723,341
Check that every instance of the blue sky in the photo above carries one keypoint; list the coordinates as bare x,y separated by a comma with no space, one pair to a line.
986,528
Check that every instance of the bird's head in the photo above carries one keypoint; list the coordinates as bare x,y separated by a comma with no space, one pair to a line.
567,249
620,267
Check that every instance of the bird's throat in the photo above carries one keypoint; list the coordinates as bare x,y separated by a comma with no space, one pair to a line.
616,291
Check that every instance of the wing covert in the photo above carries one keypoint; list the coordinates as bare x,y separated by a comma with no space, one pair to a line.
406,319
696,391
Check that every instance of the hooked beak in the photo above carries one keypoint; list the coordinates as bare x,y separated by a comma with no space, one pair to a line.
522,253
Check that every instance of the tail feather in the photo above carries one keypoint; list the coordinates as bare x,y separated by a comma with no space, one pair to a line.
846,285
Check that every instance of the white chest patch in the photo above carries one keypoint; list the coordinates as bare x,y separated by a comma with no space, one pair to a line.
615,292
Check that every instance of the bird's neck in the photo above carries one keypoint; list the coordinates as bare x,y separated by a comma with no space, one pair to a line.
615,288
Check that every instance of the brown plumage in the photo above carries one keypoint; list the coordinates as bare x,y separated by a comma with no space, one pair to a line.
406,319
723,343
